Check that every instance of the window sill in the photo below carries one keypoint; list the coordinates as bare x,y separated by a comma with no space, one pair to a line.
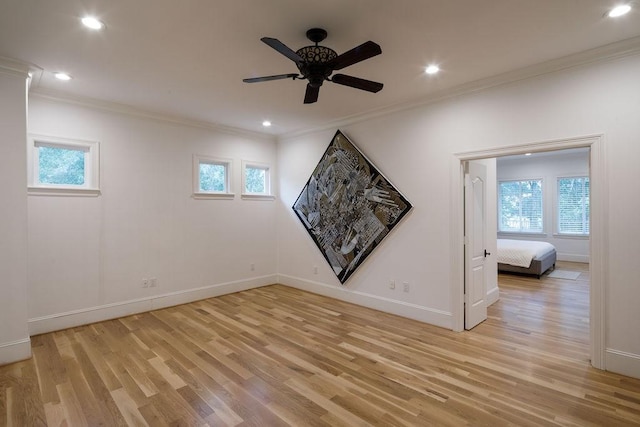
514,234
248,196
213,196
571,236
63,191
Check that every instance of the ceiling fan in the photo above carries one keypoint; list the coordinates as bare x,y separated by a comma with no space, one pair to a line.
317,63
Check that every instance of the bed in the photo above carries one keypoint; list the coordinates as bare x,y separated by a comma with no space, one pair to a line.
525,256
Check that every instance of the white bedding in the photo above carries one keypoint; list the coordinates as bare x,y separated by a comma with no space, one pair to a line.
521,252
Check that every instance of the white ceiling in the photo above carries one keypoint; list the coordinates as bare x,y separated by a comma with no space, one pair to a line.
187,58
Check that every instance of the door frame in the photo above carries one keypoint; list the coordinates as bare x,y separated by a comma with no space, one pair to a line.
598,243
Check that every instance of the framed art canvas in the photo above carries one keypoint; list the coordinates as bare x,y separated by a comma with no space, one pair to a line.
348,206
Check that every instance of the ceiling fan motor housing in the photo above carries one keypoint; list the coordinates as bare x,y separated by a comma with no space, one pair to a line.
314,67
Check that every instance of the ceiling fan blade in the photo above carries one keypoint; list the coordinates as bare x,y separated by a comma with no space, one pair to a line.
365,51
268,78
311,95
357,83
283,49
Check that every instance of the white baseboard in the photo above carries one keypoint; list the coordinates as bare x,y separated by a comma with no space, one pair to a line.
399,308
493,295
15,351
58,321
573,257
622,362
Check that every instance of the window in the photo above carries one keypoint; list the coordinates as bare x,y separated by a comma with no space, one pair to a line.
573,206
63,166
211,177
520,206
256,181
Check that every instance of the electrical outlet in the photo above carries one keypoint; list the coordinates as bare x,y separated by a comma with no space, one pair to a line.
153,282
145,283
405,286
392,284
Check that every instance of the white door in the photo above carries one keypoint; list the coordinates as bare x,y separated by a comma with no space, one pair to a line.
475,217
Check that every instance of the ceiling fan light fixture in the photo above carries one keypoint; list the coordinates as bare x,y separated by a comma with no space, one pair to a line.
619,10
93,23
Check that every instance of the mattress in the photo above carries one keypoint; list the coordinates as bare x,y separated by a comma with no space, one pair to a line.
520,253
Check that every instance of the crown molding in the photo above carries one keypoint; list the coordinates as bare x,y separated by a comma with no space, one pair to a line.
21,69
128,110
13,66
606,53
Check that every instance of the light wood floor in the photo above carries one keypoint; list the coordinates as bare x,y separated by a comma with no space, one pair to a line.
279,356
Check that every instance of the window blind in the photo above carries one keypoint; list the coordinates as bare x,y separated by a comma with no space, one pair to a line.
573,205
520,206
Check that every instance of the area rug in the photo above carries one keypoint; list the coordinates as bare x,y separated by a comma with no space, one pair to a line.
564,274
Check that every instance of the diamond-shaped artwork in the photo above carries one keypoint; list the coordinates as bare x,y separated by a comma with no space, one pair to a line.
348,206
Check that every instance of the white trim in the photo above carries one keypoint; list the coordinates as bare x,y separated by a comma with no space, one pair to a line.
199,159
63,191
213,196
493,295
250,196
606,53
599,249
623,363
129,110
610,52
562,256
91,149
508,234
15,351
14,67
268,179
599,226
399,308
69,319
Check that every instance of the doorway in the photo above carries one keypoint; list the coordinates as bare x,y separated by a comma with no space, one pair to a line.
597,230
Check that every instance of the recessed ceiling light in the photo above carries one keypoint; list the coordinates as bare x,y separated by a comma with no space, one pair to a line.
620,10
62,76
266,123
92,22
527,154
432,69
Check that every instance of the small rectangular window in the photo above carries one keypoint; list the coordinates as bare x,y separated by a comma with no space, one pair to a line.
256,180
63,166
573,206
520,206
211,177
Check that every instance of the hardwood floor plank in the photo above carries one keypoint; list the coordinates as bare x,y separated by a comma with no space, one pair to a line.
280,356
128,408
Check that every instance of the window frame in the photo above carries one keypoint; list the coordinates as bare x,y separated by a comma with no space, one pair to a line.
557,232
199,159
91,186
268,193
520,232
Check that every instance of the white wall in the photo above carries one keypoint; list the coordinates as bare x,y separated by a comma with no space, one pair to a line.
416,148
14,337
88,255
548,167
